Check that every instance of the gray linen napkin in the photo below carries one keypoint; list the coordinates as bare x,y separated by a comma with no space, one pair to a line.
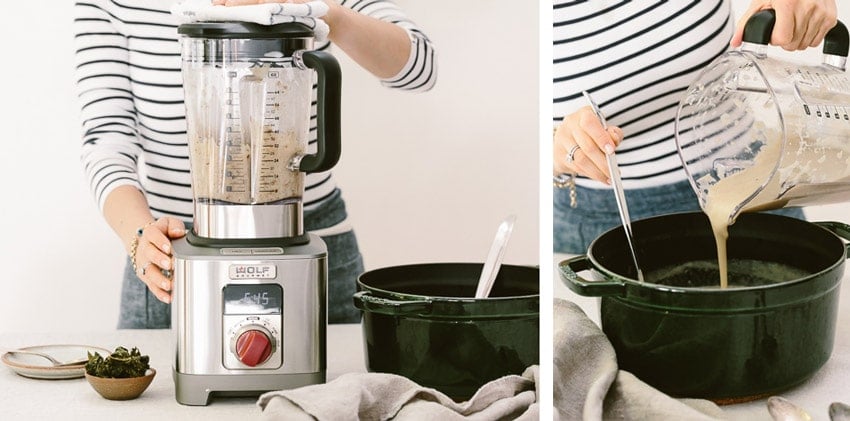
589,386
379,396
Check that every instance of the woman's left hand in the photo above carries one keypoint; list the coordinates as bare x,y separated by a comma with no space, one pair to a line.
800,24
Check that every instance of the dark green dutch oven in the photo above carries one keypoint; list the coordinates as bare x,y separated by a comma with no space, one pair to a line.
421,322
727,345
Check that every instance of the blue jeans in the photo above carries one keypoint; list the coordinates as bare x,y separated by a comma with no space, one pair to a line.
575,229
142,310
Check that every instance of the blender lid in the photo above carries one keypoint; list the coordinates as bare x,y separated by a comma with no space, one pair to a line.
237,30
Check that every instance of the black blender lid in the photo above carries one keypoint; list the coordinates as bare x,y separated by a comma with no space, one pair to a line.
227,30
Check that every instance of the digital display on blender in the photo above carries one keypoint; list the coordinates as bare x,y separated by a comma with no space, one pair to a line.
253,299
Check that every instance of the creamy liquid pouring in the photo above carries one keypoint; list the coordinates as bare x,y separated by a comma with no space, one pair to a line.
807,164
726,196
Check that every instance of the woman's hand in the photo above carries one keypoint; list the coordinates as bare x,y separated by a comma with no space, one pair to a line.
153,255
328,18
580,144
800,24
381,47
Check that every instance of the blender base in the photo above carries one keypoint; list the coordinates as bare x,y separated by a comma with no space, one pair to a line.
198,389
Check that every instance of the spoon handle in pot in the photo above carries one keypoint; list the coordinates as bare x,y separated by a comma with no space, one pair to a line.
494,258
617,184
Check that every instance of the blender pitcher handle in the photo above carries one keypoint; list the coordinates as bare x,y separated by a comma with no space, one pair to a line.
329,145
836,44
759,27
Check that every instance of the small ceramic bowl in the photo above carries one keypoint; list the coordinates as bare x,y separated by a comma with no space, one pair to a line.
121,389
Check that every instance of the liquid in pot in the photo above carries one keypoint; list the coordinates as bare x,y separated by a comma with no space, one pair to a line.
741,273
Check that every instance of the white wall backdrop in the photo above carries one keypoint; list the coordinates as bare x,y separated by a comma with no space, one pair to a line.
427,177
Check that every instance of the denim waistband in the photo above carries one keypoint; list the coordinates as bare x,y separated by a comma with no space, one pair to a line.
642,203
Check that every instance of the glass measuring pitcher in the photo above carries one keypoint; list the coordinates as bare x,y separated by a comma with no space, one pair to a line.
248,94
756,132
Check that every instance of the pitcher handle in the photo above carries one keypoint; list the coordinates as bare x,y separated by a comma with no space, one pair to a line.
568,270
328,106
759,27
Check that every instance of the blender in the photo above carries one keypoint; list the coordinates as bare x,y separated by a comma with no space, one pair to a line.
755,132
250,285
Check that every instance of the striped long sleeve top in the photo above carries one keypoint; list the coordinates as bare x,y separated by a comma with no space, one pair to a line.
130,94
637,59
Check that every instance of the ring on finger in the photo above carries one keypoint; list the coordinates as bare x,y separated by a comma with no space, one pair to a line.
145,268
571,155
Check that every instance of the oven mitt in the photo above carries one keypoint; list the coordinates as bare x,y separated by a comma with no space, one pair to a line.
588,385
380,396
189,11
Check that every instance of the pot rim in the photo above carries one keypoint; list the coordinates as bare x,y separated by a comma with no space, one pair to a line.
715,290
379,300
712,299
410,296
706,290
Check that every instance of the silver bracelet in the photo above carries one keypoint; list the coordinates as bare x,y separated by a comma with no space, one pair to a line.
563,181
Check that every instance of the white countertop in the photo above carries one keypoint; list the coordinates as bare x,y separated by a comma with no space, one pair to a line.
72,399
830,384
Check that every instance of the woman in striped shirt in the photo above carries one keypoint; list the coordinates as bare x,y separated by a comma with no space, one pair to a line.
134,146
637,59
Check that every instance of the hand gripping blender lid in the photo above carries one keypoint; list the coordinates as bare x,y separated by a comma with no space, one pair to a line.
779,131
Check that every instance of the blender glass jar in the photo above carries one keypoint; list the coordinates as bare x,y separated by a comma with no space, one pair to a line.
248,95
765,133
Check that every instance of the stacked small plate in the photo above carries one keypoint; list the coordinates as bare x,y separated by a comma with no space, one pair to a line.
38,367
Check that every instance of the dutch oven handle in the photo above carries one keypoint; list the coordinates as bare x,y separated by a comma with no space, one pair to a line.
365,301
569,275
840,229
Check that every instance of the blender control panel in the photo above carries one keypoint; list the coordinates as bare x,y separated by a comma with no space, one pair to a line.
252,323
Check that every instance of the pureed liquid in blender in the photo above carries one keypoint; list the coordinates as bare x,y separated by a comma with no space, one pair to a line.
807,161
756,132
241,144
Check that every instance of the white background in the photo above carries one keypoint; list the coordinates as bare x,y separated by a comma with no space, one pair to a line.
427,177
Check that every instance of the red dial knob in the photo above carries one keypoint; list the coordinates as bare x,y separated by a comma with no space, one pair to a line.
253,347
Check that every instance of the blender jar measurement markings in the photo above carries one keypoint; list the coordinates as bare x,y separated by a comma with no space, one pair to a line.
237,173
830,84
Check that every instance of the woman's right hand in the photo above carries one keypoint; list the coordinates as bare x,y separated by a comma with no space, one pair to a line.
800,24
153,255
582,135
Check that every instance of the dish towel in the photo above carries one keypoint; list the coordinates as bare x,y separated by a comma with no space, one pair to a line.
379,396
589,386
309,14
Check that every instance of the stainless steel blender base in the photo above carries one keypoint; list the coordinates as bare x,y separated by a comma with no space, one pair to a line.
197,390
278,294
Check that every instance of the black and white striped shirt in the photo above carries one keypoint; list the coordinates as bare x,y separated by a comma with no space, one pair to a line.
131,98
637,59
